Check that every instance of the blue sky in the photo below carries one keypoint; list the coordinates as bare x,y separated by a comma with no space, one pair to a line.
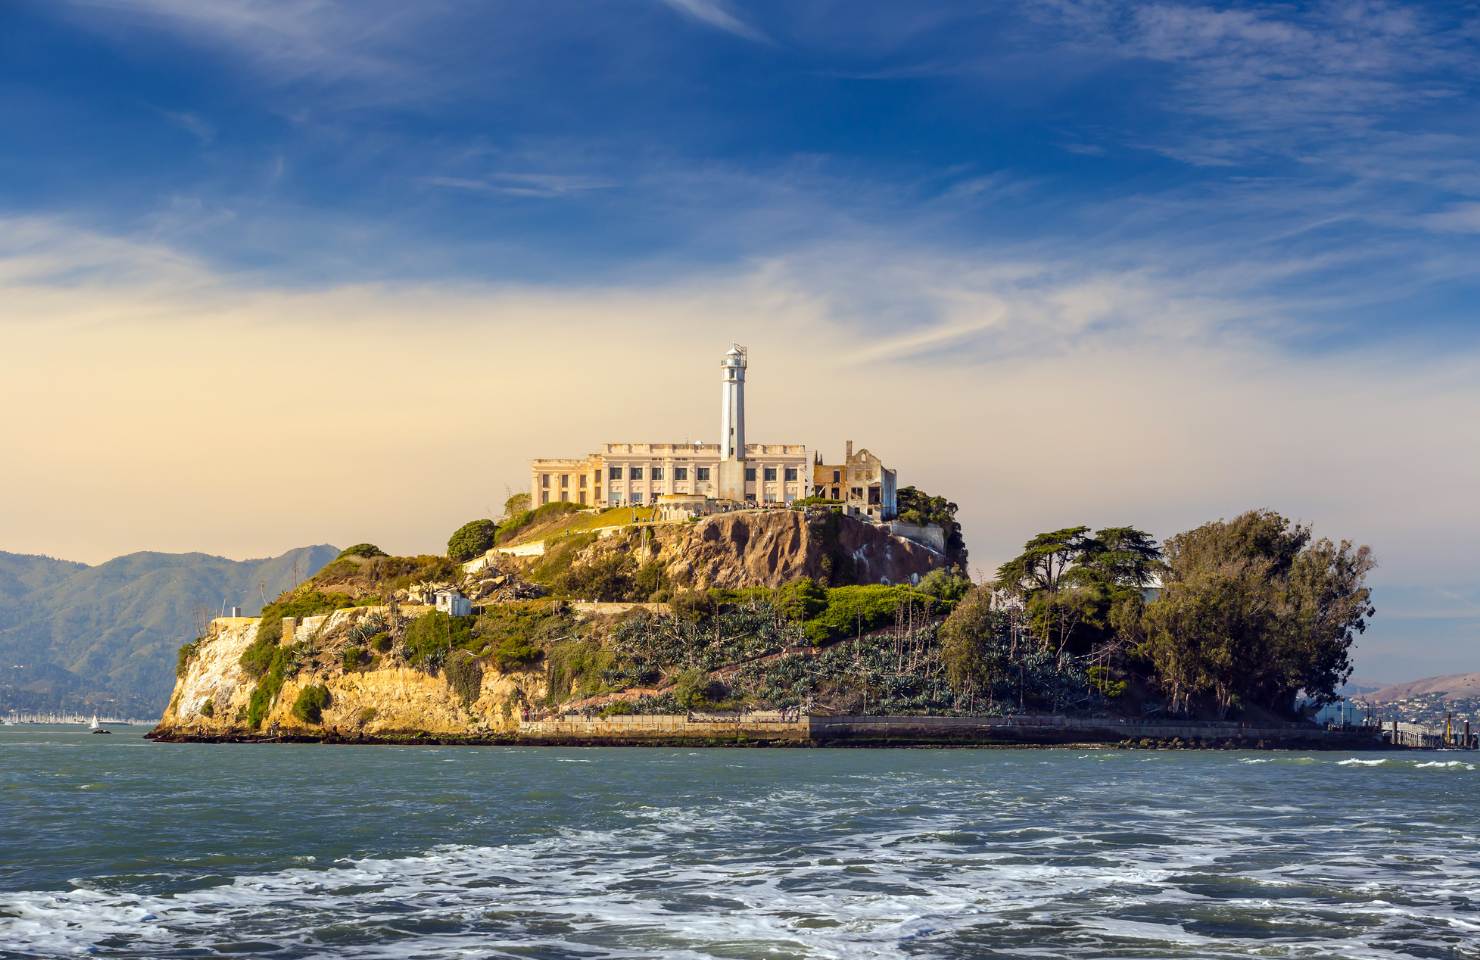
1267,215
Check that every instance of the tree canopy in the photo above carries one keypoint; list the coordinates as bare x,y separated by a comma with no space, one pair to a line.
1254,612
916,506
470,540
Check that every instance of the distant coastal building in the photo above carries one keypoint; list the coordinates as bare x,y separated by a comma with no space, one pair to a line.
733,470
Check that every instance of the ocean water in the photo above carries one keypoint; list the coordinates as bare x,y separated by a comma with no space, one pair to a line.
117,847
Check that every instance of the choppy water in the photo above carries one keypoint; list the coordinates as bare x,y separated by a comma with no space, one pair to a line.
116,847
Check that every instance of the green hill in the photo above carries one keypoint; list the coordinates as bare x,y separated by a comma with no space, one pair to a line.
78,637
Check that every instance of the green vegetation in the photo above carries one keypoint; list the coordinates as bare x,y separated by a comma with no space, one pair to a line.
208,709
311,702
365,550
855,610
577,668
464,675
916,506
432,636
802,502
472,539
516,635
362,581
303,602
1253,611
515,505
355,658
184,655
517,523
555,520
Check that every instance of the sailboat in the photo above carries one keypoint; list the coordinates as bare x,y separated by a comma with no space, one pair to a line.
96,727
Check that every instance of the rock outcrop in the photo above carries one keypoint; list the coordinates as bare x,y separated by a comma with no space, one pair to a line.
389,699
768,548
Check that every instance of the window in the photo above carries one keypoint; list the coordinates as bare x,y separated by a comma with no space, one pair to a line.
680,473
544,496
635,473
564,480
615,473
544,479
583,481
750,473
657,473
837,476
791,474
582,500
770,474
701,473
616,499
636,498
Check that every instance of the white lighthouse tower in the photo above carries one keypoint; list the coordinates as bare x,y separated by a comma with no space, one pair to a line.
732,404
731,467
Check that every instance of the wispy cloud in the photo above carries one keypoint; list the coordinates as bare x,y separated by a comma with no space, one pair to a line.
716,14
191,124
544,185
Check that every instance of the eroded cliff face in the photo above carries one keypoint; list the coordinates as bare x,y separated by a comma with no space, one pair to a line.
387,698
769,548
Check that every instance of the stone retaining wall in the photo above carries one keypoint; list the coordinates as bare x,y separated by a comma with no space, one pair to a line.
666,727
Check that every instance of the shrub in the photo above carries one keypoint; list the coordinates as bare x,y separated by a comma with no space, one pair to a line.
576,668
185,654
366,715
355,658
433,635
310,703
693,689
380,642
361,550
619,708
464,675
208,709
857,609
265,694
470,540
649,581
946,586
516,653
800,600
692,606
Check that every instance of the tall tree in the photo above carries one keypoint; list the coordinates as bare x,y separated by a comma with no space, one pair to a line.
1253,612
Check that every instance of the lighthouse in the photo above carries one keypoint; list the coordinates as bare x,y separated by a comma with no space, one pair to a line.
730,471
732,404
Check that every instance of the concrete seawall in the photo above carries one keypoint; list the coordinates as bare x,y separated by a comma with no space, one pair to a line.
779,729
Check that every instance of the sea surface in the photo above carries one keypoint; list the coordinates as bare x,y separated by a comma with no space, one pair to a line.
112,846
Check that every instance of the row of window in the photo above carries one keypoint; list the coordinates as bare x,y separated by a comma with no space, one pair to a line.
636,498
700,473
564,480
679,473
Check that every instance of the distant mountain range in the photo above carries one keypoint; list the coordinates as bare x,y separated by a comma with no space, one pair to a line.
77,637
1452,686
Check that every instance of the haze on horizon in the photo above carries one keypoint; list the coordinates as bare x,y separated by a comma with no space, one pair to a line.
275,274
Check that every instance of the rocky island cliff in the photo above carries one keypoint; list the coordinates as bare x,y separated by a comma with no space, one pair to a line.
788,626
